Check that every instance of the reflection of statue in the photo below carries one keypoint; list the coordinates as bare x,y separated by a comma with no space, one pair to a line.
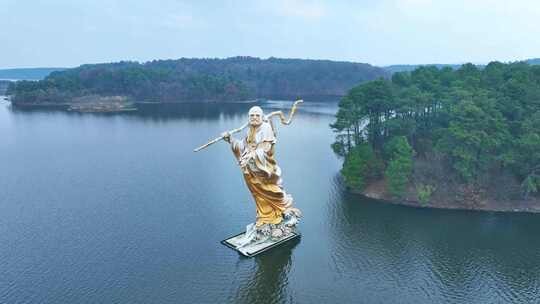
267,281
276,218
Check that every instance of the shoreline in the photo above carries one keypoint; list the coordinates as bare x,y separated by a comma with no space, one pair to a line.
416,204
68,106
96,99
376,192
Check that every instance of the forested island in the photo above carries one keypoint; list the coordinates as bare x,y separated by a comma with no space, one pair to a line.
464,138
197,80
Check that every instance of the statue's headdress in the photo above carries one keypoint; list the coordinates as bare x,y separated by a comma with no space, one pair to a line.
256,110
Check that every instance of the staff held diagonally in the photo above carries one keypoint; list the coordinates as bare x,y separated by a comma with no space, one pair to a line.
283,119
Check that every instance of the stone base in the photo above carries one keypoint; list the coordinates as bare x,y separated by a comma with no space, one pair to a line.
254,248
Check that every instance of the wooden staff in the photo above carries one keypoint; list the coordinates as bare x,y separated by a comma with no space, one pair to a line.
215,140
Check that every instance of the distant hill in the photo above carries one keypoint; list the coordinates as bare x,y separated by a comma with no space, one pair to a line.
411,67
195,80
27,73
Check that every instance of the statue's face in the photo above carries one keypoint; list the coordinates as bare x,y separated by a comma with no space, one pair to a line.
255,116
255,119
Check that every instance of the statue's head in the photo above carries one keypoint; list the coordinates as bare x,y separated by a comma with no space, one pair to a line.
255,116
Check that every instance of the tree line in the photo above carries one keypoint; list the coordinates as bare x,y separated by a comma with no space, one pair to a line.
237,78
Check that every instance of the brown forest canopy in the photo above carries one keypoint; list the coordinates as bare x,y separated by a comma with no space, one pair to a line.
237,78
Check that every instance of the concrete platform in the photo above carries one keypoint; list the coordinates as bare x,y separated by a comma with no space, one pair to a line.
254,249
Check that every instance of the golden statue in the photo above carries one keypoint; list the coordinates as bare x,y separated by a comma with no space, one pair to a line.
276,218
255,155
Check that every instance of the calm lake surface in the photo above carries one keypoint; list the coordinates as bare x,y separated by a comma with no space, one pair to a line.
118,209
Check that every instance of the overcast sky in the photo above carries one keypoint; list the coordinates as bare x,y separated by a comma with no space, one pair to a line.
67,33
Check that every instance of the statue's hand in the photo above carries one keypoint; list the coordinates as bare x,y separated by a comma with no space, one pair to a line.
226,136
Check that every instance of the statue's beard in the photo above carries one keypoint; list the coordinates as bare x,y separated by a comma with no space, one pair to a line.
255,123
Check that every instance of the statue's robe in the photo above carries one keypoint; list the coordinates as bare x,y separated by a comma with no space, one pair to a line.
263,175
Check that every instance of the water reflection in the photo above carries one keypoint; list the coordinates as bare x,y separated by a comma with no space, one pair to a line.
435,255
193,112
269,281
139,216
154,112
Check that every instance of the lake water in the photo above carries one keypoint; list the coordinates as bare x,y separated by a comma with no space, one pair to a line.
118,209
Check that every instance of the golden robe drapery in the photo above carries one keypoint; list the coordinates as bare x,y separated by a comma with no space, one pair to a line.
262,174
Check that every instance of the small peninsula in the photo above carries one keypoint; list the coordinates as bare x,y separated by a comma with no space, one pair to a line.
465,138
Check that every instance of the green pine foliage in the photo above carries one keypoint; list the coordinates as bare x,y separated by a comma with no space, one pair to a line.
400,165
482,122
361,166
423,193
